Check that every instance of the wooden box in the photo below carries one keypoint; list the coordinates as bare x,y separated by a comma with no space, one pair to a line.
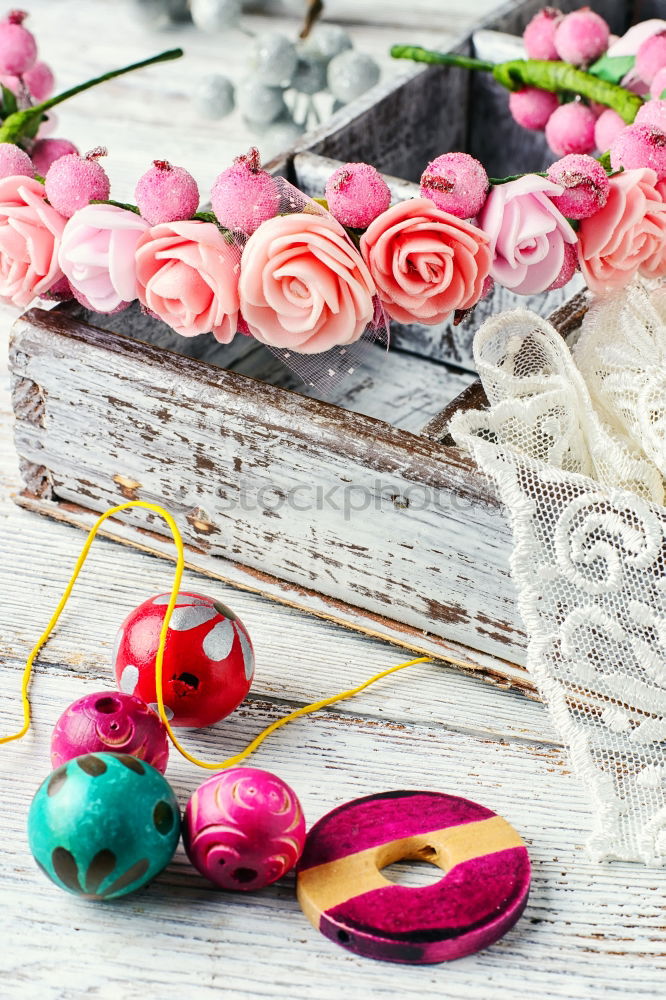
357,508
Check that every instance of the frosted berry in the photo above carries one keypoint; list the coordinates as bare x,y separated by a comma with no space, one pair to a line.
280,137
651,57
274,59
570,129
607,126
532,107
214,97
166,194
539,35
215,15
18,48
652,113
14,162
356,194
310,75
585,184
47,151
569,267
244,195
456,183
326,41
581,37
658,85
260,104
74,181
351,74
40,81
640,146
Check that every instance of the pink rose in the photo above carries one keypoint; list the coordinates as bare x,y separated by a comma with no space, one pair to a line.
425,262
187,275
97,255
527,233
654,266
30,233
303,284
626,236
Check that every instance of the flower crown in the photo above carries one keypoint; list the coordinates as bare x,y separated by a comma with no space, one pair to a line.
308,276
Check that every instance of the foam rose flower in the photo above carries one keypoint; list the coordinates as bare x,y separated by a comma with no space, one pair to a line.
527,234
425,262
97,255
187,275
30,231
626,236
303,284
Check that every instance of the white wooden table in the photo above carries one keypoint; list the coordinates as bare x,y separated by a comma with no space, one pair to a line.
588,931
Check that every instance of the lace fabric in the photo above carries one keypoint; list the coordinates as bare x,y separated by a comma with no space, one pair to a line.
576,445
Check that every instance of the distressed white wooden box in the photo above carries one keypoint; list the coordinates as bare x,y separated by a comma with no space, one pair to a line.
357,508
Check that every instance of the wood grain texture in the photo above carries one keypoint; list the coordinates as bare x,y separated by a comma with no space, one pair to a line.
320,497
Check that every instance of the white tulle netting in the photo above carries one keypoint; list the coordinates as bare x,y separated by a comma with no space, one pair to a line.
576,443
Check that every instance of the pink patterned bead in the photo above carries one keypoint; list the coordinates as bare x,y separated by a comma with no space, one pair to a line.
110,721
244,828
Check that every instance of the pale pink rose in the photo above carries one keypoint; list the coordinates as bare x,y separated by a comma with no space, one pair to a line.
303,284
654,266
30,233
626,236
97,255
527,234
425,262
187,275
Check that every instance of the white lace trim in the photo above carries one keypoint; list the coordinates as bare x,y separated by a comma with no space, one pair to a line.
577,451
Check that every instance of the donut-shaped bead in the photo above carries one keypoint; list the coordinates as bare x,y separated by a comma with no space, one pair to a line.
483,892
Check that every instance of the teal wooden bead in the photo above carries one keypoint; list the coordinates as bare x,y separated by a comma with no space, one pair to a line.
103,825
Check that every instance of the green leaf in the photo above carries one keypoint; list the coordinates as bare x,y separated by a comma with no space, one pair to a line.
662,96
9,105
612,68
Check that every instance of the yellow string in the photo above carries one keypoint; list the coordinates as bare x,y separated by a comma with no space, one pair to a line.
159,659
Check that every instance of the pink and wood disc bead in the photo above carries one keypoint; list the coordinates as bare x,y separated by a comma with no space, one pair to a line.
244,828
343,893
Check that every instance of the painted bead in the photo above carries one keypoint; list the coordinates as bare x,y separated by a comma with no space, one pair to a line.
482,894
208,660
244,828
113,721
103,825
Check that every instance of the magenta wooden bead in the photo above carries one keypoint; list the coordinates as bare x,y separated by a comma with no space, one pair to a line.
110,721
244,828
482,892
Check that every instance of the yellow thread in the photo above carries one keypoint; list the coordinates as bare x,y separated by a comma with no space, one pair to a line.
159,659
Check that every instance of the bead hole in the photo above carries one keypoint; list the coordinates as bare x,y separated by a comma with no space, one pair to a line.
107,705
245,875
191,680
415,871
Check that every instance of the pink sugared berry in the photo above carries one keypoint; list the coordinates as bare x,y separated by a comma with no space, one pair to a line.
585,184
640,146
570,129
18,48
14,162
166,194
356,194
532,107
40,81
607,126
652,113
658,85
46,151
581,37
456,183
651,57
244,195
569,267
74,181
539,35
12,83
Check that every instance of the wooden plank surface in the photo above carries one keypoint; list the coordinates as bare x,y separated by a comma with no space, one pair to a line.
588,932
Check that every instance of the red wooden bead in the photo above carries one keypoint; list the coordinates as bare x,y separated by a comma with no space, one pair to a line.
208,659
